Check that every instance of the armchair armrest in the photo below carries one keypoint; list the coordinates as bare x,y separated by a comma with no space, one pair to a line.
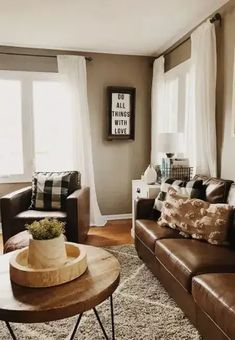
145,211
78,215
11,205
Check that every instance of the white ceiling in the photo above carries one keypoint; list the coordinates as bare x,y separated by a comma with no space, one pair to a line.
141,27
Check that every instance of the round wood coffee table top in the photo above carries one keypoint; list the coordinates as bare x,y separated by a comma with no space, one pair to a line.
26,305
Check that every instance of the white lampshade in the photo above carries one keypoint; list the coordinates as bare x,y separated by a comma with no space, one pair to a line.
170,142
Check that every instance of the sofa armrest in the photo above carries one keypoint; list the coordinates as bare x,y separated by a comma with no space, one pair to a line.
78,215
11,205
145,211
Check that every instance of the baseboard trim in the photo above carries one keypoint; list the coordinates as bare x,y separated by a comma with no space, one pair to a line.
118,217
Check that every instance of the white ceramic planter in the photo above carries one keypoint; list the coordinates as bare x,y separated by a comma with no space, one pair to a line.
47,253
150,175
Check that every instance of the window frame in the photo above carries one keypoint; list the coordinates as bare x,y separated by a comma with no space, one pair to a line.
26,78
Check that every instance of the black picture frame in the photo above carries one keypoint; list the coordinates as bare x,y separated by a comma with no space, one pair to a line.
121,112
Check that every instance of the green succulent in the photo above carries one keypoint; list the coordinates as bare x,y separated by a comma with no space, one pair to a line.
46,229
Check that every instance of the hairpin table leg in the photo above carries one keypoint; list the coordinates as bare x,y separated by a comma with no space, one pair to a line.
76,327
112,317
112,320
78,322
10,330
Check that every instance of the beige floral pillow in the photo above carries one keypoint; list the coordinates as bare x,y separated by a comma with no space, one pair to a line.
196,218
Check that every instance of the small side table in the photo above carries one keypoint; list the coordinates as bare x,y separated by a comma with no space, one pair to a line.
140,189
34,305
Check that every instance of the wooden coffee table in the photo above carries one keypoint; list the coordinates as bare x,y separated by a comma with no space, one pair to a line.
31,305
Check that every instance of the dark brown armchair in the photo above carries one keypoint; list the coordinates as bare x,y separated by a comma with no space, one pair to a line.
15,213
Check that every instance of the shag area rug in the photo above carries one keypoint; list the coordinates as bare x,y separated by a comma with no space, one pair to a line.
143,311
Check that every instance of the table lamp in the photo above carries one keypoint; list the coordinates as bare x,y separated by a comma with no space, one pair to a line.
170,143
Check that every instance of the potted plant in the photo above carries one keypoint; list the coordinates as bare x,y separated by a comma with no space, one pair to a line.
46,244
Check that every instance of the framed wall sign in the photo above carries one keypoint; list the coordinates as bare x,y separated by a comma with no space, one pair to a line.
121,112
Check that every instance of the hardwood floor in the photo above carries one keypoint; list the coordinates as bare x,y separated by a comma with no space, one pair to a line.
114,233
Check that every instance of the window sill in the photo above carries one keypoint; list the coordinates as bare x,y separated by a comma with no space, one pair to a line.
12,180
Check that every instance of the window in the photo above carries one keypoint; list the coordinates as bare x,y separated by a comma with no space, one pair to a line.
52,127
11,145
171,104
173,115
35,130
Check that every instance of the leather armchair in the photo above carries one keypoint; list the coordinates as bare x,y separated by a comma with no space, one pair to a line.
15,213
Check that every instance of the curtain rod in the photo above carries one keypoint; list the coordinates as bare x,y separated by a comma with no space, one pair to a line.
38,55
216,17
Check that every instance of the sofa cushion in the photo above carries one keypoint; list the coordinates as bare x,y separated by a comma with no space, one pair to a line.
149,232
32,215
191,189
50,189
231,195
214,294
75,178
217,190
231,202
187,258
204,178
196,218
18,222
165,186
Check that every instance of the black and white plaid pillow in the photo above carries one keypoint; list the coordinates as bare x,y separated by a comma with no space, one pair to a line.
192,189
50,190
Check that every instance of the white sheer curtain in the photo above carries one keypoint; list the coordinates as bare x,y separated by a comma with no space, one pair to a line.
165,106
73,72
200,127
190,123
158,94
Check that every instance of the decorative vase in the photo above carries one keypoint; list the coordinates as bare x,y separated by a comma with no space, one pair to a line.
49,253
150,175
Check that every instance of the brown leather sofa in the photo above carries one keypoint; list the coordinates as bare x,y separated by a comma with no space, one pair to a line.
15,212
199,276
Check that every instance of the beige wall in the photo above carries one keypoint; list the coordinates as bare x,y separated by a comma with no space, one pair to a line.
178,55
116,163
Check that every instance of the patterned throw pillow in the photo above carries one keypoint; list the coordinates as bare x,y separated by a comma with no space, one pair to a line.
191,189
196,218
50,190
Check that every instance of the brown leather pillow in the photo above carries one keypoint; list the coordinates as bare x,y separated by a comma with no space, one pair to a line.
217,190
201,177
196,218
231,202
